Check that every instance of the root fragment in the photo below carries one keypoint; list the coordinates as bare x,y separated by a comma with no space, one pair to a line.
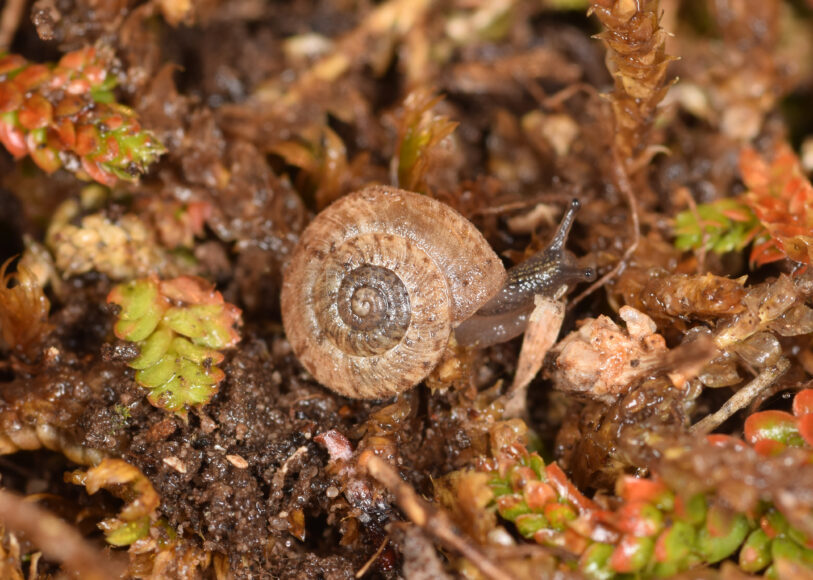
57,540
742,398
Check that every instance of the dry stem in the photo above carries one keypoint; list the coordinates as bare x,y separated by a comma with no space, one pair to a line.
58,540
364,569
10,21
622,182
637,59
430,519
742,398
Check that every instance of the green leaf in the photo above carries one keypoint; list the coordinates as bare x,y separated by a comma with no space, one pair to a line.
723,226
756,552
538,465
774,425
160,373
529,524
774,523
787,549
511,506
675,543
694,510
177,393
141,308
127,533
178,357
195,374
198,354
200,322
153,348
632,554
723,534
559,514
595,562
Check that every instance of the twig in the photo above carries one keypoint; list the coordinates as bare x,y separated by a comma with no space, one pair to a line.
421,559
556,100
10,21
622,182
701,252
430,519
741,398
363,570
33,564
58,540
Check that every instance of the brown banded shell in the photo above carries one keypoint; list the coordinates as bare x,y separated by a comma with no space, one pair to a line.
376,285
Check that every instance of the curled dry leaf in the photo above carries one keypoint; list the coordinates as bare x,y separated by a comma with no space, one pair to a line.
321,156
774,306
23,310
11,562
128,483
156,551
544,324
770,310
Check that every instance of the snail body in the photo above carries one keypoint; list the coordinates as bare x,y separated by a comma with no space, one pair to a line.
382,277
548,272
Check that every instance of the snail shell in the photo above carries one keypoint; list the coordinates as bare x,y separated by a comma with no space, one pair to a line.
377,284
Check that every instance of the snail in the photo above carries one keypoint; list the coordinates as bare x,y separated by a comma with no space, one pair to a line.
381,278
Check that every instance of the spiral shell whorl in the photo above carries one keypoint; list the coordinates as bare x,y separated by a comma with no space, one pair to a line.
373,304
367,301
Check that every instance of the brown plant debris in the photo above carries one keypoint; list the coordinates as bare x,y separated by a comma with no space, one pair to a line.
56,538
23,310
637,59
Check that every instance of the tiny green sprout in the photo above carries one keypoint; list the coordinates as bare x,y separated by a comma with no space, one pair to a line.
725,225
122,416
180,326
420,131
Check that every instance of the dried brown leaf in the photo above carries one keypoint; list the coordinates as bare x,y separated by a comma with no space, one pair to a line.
23,310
